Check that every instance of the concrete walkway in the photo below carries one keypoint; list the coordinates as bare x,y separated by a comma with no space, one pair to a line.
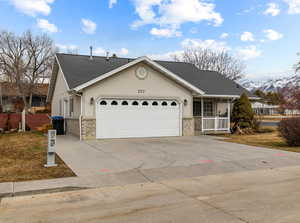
262,196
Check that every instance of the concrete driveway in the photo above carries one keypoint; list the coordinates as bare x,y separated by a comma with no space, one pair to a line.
167,158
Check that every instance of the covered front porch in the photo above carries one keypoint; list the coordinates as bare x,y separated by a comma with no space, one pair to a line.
212,114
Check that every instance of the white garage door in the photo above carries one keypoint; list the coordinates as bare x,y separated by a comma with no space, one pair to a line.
137,118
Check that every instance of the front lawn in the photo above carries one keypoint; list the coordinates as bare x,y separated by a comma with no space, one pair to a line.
22,157
270,140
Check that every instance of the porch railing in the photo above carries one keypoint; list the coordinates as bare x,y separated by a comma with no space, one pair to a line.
215,124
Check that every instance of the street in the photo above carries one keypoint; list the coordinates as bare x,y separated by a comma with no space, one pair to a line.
269,195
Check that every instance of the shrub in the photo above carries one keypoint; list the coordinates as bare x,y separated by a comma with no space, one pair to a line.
290,130
243,115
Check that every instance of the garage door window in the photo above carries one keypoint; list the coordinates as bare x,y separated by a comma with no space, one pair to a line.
135,103
124,103
114,103
173,103
145,103
164,104
154,103
103,103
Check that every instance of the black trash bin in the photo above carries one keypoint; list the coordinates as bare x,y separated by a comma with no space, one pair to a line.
58,123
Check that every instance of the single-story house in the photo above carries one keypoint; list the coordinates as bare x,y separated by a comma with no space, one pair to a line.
11,100
265,109
268,109
110,97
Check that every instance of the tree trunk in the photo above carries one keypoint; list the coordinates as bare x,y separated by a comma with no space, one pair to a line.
30,100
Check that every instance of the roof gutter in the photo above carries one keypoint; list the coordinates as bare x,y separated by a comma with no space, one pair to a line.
224,96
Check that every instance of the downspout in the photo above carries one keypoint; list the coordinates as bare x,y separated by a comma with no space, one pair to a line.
80,119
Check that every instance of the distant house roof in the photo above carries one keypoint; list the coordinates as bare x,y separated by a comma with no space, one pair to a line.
79,69
263,105
10,90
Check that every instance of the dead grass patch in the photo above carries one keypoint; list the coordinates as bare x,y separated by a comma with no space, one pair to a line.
268,139
22,158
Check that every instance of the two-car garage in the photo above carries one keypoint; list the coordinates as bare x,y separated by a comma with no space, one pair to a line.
130,118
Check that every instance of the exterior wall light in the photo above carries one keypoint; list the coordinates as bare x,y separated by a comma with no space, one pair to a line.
185,102
92,101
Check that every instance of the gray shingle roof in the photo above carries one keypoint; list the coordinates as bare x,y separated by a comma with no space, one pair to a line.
79,69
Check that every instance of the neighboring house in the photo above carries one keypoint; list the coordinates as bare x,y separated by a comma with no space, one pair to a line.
11,100
104,97
267,109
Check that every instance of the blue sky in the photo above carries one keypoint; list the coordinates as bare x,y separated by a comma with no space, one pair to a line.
263,33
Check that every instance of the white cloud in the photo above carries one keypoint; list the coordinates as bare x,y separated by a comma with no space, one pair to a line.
112,3
294,6
33,7
46,26
165,32
169,56
272,34
123,51
224,35
88,26
273,9
66,48
99,51
247,36
249,52
171,14
205,44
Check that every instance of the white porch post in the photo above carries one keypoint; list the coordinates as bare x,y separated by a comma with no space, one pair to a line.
228,105
202,108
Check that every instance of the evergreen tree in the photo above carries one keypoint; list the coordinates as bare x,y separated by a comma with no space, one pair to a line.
242,113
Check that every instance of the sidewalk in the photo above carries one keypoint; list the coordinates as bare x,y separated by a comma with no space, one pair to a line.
269,195
135,176
70,183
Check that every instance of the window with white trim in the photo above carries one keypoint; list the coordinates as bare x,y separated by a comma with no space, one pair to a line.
197,108
71,104
208,109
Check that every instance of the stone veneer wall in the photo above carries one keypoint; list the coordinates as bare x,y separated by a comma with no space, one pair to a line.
188,127
198,123
88,128
72,126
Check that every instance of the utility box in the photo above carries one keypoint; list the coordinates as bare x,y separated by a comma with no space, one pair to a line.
51,148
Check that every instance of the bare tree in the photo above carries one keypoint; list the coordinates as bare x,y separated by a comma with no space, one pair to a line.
25,61
220,61
41,51
14,61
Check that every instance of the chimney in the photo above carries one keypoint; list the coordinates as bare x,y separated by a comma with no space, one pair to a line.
91,53
107,56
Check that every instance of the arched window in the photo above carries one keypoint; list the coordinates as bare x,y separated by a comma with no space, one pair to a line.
124,103
145,103
135,103
164,103
154,103
103,103
173,103
114,103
